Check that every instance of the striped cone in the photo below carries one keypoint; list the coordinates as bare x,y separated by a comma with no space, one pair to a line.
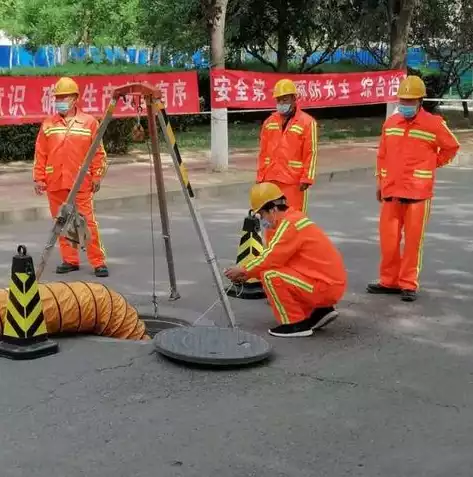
251,246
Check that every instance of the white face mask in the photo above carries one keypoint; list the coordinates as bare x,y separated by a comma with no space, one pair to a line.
63,107
283,108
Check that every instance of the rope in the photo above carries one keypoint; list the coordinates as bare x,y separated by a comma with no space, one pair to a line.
218,301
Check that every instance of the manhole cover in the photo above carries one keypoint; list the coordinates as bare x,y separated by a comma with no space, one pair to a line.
212,346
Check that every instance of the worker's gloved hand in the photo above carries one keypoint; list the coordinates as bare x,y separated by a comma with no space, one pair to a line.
39,187
236,274
95,186
378,194
304,187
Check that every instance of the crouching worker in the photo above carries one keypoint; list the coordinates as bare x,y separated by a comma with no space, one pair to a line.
302,272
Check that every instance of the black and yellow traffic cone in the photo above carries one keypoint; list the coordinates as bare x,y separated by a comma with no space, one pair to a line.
251,246
24,332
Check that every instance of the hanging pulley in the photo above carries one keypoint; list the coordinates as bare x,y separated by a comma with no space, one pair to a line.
138,132
75,228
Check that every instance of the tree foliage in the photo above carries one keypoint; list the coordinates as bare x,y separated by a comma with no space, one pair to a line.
443,29
74,22
176,26
385,28
292,30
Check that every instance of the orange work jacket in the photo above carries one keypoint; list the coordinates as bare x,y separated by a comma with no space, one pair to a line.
61,147
290,155
302,246
409,153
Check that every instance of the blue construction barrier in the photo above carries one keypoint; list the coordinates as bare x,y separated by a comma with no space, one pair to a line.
47,56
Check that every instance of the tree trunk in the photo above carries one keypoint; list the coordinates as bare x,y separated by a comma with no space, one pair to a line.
64,54
10,60
217,33
466,112
219,122
283,38
400,15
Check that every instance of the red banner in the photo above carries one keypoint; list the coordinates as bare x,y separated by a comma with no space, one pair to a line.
251,90
26,99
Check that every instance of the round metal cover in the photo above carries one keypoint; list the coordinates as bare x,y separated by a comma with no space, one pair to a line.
211,345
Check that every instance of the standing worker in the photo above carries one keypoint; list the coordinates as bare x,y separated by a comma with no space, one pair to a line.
61,147
413,144
302,272
288,148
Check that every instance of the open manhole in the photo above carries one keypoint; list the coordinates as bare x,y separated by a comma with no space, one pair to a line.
156,324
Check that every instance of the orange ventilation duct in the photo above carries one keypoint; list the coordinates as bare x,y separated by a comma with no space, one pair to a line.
89,308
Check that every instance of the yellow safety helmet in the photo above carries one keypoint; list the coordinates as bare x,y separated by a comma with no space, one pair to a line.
284,87
66,86
412,87
263,193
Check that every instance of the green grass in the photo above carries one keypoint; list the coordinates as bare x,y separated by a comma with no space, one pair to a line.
84,69
341,67
246,135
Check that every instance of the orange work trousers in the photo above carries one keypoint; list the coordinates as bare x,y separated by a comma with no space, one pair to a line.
293,297
295,198
95,250
401,270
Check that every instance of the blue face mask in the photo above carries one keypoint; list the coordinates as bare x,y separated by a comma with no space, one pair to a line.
62,107
407,111
283,109
265,224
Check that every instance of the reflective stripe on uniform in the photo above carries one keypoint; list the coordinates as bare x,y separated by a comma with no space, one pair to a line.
101,171
295,164
394,132
296,129
277,302
420,254
313,156
99,237
272,126
297,282
49,169
444,124
422,174
383,172
305,201
303,223
63,130
277,236
419,134
267,160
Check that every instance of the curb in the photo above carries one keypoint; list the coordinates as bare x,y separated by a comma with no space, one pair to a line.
30,214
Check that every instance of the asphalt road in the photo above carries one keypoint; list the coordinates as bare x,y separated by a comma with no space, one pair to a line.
386,390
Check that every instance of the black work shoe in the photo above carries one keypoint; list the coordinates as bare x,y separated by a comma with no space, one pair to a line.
378,289
408,295
66,268
293,330
101,272
321,317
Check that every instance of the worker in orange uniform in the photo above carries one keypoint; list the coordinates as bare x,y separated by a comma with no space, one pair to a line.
302,272
288,148
61,146
413,144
